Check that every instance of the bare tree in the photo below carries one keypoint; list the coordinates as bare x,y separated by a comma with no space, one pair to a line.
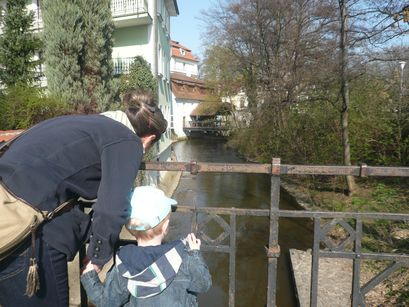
290,54
343,46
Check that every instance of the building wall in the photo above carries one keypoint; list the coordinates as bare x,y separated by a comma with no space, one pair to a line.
164,93
239,101
181,110
140,40
132,41
186,67
183,107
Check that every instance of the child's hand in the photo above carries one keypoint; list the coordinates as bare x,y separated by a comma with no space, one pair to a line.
194,243
88,266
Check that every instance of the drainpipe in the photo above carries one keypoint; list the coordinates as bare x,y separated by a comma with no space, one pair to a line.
155,38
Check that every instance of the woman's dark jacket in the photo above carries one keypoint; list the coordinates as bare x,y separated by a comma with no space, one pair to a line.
91,156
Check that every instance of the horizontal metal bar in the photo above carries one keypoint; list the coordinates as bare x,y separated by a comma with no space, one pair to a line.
367,256
224,211
388,171
298,213
320,170
285,169
209,167
354,215
216,248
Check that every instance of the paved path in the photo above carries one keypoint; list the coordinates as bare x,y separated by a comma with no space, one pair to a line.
334,279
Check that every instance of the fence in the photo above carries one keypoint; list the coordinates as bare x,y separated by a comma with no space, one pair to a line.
121,8
276,169
122,65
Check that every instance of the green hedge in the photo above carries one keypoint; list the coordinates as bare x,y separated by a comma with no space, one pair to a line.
22,107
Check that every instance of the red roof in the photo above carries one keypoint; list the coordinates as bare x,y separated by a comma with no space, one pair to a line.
184,87
6,135
182,52
181,77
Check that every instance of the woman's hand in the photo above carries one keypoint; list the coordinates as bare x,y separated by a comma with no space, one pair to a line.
193,242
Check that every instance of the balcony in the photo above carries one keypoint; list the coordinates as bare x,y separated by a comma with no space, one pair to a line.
121,65
127,13
38,23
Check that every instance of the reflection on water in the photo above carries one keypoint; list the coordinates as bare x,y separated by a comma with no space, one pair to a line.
240,191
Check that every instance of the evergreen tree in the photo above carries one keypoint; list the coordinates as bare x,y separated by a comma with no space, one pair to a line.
17,45
97,53
140,77
78,36
63,41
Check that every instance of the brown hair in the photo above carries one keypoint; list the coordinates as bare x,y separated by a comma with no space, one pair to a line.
146,234
144,114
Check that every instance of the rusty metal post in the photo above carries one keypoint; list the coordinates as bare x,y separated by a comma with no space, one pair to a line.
273,247
315,261
232,261
356,276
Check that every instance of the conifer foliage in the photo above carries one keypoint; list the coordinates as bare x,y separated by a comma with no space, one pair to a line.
78,49
140,78
17,45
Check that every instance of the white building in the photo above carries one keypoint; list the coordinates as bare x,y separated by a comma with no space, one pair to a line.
239,102
187,90
183,61
142,27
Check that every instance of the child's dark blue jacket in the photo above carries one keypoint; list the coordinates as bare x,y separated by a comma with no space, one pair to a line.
168,275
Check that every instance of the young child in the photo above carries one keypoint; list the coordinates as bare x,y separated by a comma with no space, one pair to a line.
151,273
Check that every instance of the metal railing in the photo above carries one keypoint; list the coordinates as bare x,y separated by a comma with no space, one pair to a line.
122,8
119,8
274,213
38,22
210,124
122,65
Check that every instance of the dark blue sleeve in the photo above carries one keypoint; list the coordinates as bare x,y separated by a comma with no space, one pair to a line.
119,165
200,278
113,292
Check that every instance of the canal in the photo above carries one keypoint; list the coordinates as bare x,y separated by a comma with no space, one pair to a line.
240,191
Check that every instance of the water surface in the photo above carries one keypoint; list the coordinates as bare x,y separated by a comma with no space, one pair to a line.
240,191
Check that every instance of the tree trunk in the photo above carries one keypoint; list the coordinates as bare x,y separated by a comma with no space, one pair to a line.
345,92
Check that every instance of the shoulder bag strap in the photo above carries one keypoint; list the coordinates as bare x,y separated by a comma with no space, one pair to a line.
65,206
6,145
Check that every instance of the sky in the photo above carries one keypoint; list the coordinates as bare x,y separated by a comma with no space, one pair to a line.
186,28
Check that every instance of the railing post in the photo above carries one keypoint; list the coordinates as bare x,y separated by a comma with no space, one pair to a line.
315,261
232,261
356,287
83,294
273,248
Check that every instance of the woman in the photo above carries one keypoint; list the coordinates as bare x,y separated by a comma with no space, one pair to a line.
88,156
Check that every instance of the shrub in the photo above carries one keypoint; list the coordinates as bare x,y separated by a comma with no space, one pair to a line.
24,106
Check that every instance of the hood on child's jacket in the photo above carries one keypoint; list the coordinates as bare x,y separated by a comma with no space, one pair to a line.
150,269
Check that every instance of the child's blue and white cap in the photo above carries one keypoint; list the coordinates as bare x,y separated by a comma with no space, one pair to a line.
149,207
